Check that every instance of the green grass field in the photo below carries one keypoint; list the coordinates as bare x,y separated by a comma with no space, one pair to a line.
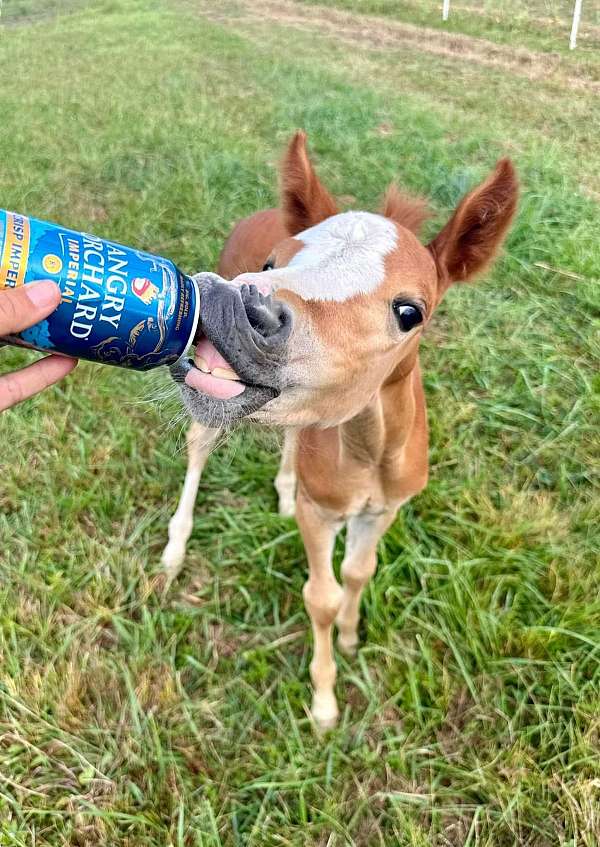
471,716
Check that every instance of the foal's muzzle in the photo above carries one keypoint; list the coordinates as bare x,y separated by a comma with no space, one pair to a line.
251,332
248,329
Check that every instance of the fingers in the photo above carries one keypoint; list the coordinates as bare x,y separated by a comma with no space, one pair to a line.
20,308
22,384
26,305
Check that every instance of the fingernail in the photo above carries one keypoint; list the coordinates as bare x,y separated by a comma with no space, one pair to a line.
42,294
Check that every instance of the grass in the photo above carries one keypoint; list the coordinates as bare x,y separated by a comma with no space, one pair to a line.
471,715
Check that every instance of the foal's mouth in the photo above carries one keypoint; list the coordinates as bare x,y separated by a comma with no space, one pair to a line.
212,374
239,352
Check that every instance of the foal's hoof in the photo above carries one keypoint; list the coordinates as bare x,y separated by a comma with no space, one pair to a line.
324,711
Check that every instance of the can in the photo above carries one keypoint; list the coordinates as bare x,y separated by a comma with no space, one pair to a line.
119,306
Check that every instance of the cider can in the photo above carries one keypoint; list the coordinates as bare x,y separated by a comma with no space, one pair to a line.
119,306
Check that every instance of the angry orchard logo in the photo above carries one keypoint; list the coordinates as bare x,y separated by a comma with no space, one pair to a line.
144,289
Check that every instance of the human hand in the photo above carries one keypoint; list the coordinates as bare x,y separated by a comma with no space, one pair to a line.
20,308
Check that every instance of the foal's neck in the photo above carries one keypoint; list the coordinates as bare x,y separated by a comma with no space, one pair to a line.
381,428
363,436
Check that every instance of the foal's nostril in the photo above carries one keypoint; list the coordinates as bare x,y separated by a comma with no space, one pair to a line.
268,318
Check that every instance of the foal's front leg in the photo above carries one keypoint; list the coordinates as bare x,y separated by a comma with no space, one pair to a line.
358,566
322,598
285,481
199,444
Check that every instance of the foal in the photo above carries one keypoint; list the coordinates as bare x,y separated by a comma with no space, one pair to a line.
320,334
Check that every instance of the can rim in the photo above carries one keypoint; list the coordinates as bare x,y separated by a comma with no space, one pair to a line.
196,318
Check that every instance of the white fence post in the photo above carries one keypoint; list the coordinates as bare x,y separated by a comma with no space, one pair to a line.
575,25
446,9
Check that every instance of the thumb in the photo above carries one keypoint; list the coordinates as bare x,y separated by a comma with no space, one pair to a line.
26,305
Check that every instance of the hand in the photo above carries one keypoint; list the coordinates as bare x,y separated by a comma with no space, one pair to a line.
20,308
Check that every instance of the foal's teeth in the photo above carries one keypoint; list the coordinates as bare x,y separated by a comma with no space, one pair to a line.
220,373
225,373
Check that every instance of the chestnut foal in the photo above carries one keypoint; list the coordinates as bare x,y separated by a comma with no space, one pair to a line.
340,371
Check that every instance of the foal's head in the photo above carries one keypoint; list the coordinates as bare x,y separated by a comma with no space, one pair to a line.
350,295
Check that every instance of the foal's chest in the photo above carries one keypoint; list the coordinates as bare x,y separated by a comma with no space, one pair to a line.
339,482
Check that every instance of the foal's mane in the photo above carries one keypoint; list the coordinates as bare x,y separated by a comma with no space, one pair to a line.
410,212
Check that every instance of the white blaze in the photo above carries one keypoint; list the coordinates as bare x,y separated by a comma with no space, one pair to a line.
343,256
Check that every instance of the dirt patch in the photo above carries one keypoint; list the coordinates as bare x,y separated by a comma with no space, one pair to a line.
372,32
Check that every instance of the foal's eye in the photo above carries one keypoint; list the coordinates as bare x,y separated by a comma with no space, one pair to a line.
269,265
407,314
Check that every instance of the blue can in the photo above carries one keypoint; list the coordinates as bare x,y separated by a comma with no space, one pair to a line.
119,306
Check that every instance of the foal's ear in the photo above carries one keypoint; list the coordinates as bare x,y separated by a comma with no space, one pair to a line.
304,199
475,232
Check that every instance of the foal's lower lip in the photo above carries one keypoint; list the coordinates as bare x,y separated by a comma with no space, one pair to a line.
208,383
